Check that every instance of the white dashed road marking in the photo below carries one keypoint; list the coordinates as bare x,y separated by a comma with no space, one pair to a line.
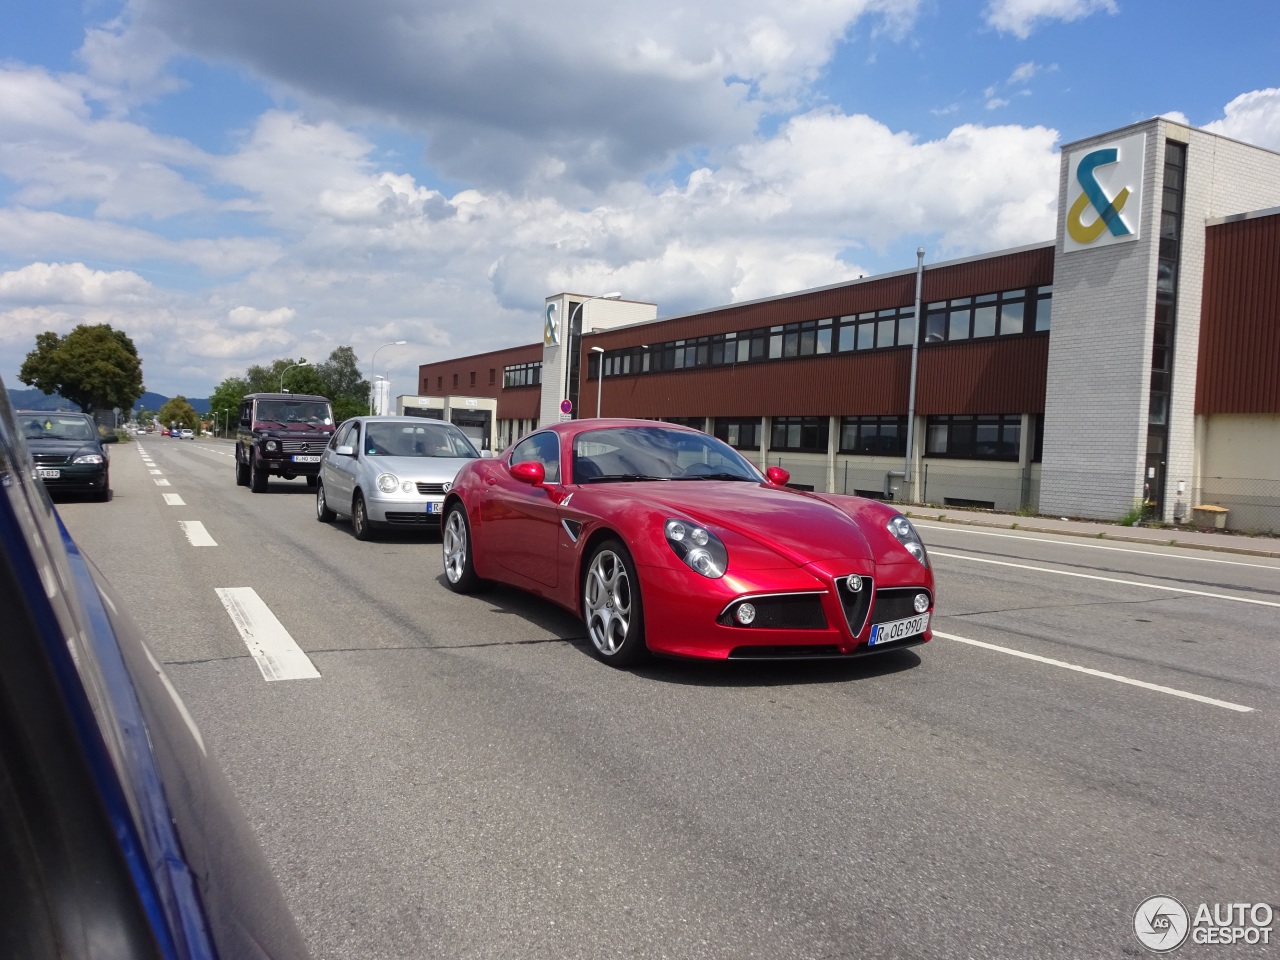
173,500
1171,691
277,656
162,483
196,533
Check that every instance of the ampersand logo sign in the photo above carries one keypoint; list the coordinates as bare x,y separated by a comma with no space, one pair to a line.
1104,190
551,327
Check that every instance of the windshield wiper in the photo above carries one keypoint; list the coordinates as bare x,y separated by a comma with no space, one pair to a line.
717,476
622,478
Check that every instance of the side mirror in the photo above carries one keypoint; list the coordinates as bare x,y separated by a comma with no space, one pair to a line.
778,476
345,451
530,472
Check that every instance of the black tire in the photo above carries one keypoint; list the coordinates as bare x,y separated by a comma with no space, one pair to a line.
323,513
612,607
360,522
311,481
257,476
104,495
458,550
242,472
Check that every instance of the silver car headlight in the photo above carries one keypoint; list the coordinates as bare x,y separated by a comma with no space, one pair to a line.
90,458
388,482
906,535
699,548
271,446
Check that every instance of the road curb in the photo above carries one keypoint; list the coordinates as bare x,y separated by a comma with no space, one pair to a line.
1032,527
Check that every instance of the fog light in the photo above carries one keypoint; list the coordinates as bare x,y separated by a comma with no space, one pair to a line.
921,602
745,613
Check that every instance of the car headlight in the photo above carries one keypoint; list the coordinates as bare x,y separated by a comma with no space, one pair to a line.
699,548
906,535
90,458
271,446
388,482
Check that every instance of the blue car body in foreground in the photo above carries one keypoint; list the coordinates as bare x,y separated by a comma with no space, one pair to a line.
119,835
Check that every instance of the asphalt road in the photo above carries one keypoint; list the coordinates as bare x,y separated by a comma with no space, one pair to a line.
1095,725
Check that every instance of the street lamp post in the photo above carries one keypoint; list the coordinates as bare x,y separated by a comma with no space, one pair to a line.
300,363
373,365
568,353
599,377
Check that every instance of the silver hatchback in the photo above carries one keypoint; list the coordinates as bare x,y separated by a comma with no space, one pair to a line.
389,471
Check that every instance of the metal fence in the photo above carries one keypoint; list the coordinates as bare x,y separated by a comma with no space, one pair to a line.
1253,505
956,484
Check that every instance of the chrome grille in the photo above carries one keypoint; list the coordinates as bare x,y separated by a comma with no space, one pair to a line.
313,447
434,487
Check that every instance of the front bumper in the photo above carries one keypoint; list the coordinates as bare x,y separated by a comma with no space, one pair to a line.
805,613
406,510
75,477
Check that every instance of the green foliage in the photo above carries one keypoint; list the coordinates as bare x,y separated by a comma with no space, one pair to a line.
179,411
338,379
224,405
95,367
341,372
144,416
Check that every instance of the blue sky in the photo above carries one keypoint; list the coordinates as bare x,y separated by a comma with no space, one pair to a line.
231,182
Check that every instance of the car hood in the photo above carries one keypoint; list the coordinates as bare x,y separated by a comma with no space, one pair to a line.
420,469
799,526
65,447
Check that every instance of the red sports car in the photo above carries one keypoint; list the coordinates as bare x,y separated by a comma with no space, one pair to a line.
666,540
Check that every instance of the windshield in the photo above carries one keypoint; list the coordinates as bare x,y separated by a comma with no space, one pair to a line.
295,411
54,427
656,453
417,440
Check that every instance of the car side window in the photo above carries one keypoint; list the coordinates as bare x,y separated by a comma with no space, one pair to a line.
342,437
543,448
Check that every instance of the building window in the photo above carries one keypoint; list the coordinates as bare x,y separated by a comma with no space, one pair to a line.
698,423
988,315
522,374
875,329
799,434
473,378
885,436
439,383
982,437
493,376
455,379
741,433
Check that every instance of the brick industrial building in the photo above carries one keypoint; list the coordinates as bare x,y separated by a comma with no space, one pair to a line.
1133,360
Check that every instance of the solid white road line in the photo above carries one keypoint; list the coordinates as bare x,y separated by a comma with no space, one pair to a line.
277,656
1171,691
173,500
1093,576
1071,541
196,533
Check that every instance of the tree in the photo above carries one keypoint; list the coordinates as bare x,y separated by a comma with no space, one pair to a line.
224,404
348,390
95,367
179,411
144,416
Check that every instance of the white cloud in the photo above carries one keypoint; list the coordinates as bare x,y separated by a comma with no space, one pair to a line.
70,283
1253,117
1024,72
1022,17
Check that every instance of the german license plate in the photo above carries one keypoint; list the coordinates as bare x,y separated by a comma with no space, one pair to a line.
47,474
899,629
302,459
434,507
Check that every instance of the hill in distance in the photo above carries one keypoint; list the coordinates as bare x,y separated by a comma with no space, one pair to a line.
32,399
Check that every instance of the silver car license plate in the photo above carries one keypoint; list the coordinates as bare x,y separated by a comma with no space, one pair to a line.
434,507
302,459
47,474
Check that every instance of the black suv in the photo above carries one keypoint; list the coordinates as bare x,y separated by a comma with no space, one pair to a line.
68,451
281,433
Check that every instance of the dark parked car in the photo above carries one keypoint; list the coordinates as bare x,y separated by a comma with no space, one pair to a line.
119,836
282,434
69,452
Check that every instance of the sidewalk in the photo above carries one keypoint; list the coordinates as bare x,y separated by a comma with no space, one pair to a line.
1155,536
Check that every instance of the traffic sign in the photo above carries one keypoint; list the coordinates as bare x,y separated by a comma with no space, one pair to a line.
566,406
